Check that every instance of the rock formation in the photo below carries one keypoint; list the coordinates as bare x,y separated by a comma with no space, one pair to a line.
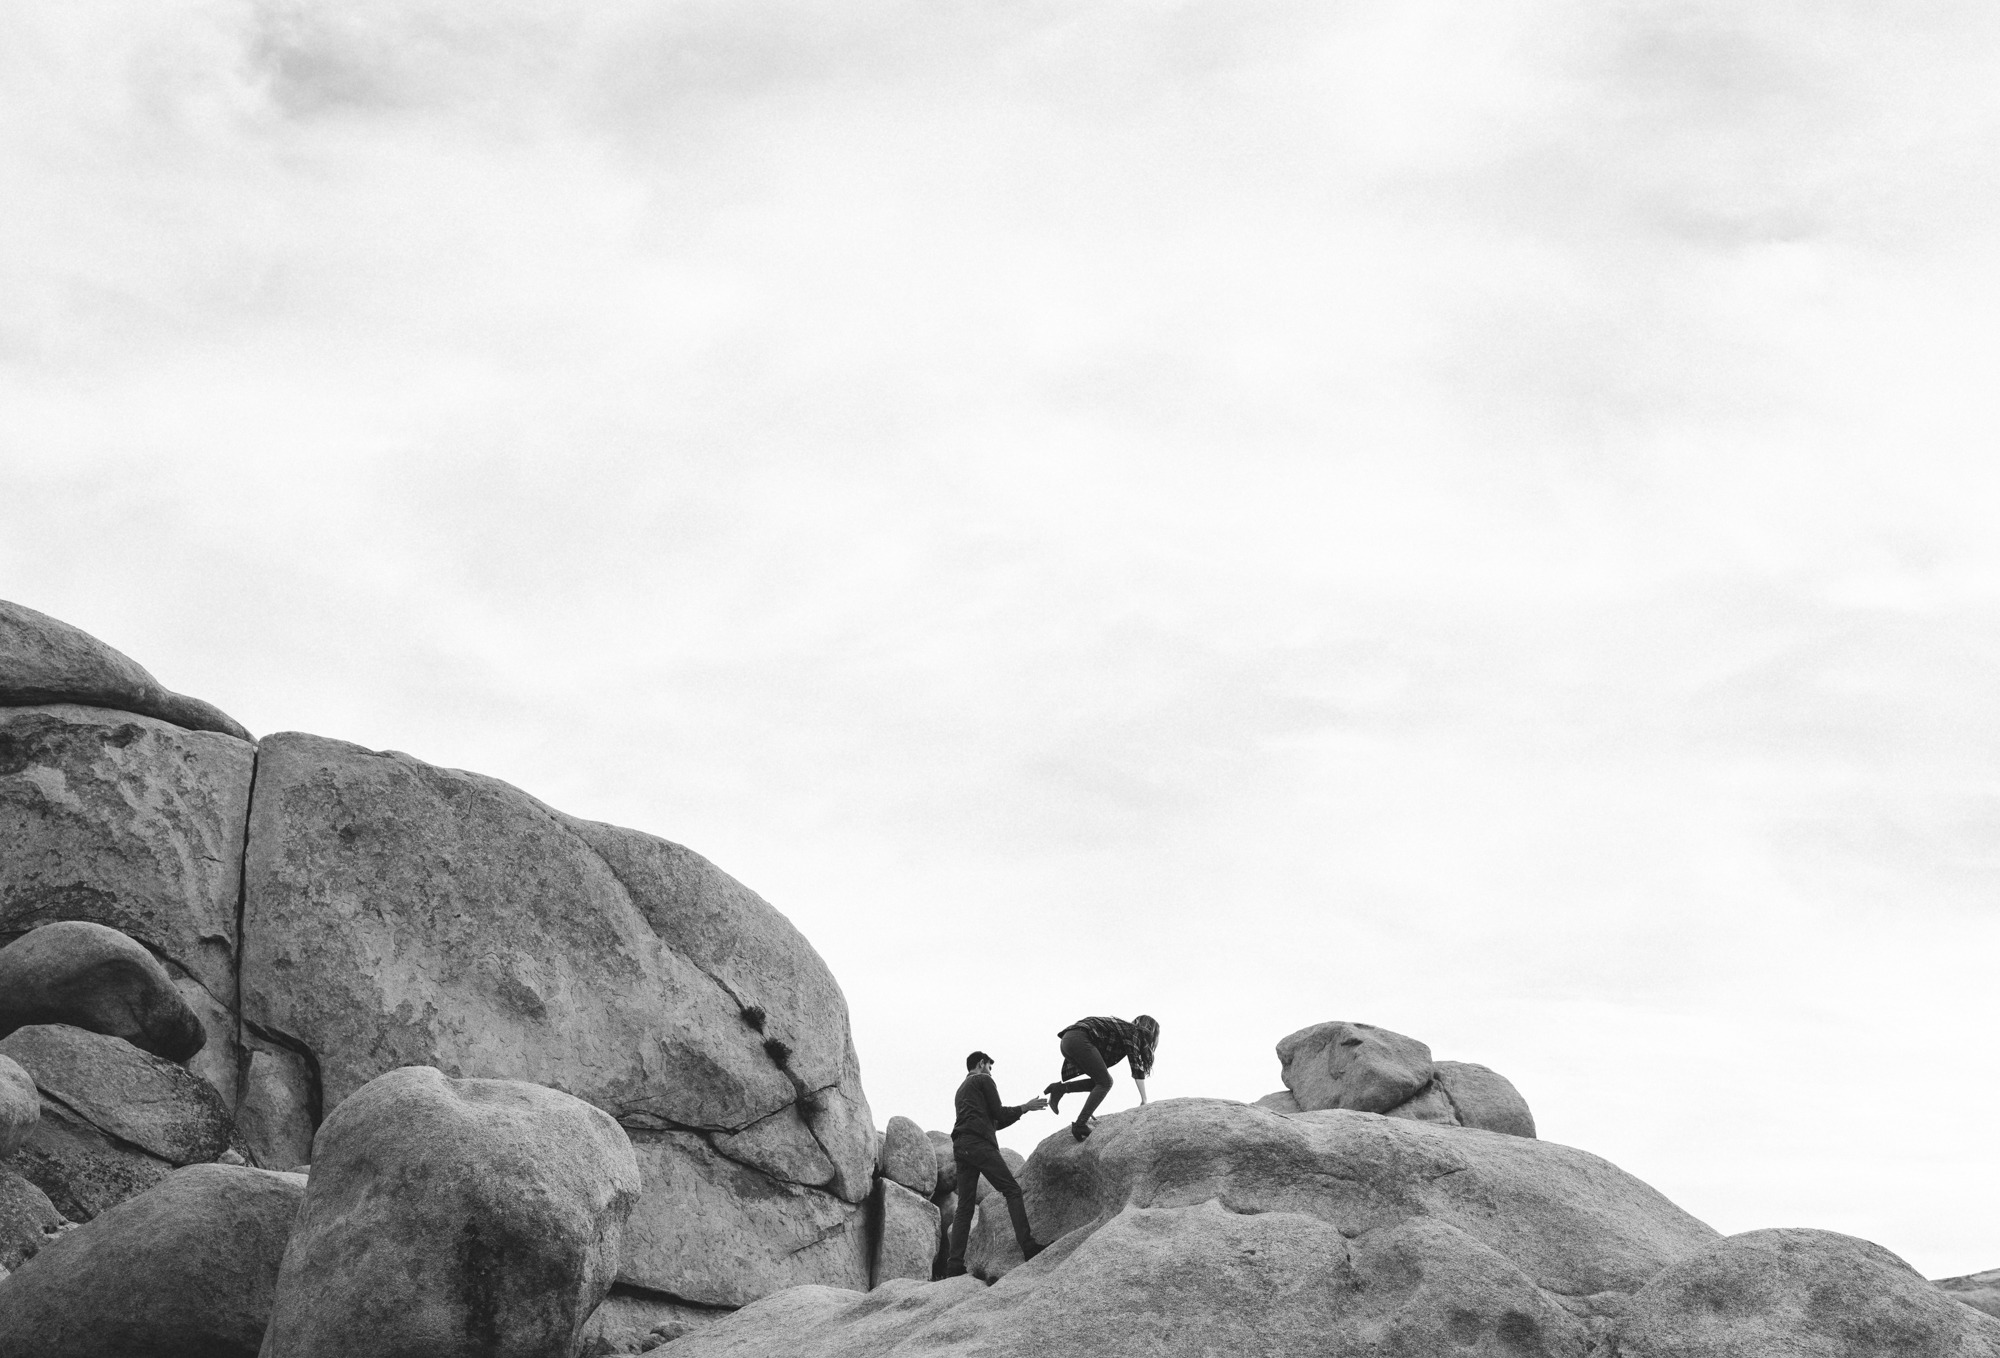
184,1270
326,913
1362,1068
454,1218
565,1087
1198,1226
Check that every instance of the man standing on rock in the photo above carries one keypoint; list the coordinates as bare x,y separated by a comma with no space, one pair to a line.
976,1148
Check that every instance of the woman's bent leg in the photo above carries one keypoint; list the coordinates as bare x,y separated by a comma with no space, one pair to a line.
1078,1048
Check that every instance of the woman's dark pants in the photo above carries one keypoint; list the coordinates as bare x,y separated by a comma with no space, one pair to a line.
1080,1053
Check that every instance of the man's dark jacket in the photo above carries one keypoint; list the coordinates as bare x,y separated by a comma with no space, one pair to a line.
980,1112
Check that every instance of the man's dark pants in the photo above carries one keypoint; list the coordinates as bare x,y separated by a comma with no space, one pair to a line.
974,1159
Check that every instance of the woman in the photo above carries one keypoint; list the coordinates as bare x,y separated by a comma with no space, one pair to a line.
1090,1047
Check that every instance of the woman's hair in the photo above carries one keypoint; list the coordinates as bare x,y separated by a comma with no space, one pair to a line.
1148,1025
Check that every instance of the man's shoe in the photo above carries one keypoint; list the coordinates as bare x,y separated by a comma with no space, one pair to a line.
1035,1247
954,1270
1055,1093
1079,1130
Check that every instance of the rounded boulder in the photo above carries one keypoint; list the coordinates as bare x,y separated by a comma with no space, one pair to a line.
90,976
908,1157
184,1270
454,1218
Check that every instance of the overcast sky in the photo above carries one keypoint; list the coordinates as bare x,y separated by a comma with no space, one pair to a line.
1475,517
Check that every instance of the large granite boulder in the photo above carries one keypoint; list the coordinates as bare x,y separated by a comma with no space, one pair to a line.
20,1106
908,1157
1192,1227
1572,1223
43,660
1799,1292
131,823
724,1233
1355,1066
132,1095
398,913
90,976
184,1270
1186,1283
454,1218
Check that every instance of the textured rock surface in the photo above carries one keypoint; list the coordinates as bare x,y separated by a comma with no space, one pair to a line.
28,1220
1355,1066
1574,1224
454,1217
1194,1281
127,822
831,1322
81,1169
20,1106
1429,1104
1281,1101
43,660
396,912
279,1107
1981,1291
1484,1098
627,1322
907,1232
908,1156
711,1231
1800,1292
133,1095
184,1270
90,976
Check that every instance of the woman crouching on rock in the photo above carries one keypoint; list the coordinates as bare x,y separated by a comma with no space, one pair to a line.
1090,1047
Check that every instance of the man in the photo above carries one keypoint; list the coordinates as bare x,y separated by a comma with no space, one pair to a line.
977,1151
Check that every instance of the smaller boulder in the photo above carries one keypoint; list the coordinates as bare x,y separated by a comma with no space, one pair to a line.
90,976
454,1218
84,1171
46,660
1280,1101
20,1106
1429,1104
906,1233
908,1157
134,1096
191,1264
28,1220
947,1164
1355,1066
1484,1098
